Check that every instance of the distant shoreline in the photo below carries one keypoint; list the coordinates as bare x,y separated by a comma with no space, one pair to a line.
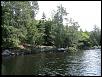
25,51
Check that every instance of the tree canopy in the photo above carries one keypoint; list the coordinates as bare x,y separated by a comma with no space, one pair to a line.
19,26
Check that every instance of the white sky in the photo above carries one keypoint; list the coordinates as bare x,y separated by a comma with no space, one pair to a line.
86,13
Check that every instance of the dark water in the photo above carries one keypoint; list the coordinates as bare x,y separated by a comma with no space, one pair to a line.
82,63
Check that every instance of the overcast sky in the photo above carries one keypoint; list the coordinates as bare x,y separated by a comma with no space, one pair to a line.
86,13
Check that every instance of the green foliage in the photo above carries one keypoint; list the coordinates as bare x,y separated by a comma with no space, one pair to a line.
72,49
34,37
10,36
58,27
95,36
47,33
16,20
84,41
19,26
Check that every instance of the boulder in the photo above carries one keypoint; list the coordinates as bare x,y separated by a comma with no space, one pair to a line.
61,49
6,52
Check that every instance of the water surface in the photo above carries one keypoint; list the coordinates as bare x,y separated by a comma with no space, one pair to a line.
82,63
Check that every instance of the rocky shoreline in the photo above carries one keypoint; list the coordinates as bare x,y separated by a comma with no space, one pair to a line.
32,50
26,51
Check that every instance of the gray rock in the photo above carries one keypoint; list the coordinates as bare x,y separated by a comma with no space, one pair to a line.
12,53
6,52
61,49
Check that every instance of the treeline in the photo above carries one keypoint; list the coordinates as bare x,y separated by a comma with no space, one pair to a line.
19,27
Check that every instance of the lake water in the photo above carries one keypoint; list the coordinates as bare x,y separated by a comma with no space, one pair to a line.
82,63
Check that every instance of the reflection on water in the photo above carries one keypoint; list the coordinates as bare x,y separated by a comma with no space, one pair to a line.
83,63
